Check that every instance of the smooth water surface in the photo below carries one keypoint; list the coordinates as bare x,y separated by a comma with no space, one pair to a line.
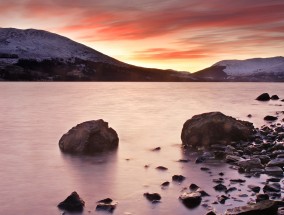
35,176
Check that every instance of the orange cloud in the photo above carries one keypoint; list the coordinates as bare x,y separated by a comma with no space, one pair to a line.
171,54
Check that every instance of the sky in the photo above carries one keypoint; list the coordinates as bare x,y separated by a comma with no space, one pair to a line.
185,35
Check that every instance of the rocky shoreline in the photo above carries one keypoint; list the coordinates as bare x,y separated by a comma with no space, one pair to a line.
214,137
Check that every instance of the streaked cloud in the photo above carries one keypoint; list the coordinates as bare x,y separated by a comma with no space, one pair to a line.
189,29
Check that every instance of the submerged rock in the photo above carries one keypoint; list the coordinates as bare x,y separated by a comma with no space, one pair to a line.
152,197
263,97
270,118
88,138
210,128
72,203
274,97
191,200
106,205
178,178
261,208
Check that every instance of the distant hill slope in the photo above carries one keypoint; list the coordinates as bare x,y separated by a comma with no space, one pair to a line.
252,66
256,69
36,55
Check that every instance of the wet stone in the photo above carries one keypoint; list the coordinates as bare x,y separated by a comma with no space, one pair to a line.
191,200
162,168
193,187
152,196
178,178
220,187
254,188
73,203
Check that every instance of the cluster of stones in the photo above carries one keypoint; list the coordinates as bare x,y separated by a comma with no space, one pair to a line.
74,203
250,150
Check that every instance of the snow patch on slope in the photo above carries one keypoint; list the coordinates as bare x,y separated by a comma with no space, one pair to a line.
253,66
40,45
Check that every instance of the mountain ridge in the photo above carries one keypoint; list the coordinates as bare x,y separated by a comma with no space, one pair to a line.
38,55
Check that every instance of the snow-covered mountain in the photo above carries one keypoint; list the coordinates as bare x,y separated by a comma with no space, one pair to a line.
37,55
255,66
40,45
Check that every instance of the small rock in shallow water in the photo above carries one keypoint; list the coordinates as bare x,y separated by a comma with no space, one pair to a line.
222,199
152,196
72,203
162,168
178,178
220,187
165,184
183,160
270,118
237,180
275,170
156,149
273,187
263,97
254,188
211,213
204,169
191,200
106,205
274,97
193,187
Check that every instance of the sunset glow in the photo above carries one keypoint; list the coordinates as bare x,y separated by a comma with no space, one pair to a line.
186,35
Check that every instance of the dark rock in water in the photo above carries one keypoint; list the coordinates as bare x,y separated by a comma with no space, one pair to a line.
191,200
218,180
106,205
250,164
165,184
254,188
152,196
178,178
276,162
249,115
89,138
261,197
274,170
204,168
72,203
222,199
183,160
266,207
211,128
274,97
263,97
220,187
106,201
274,187
270,118
162,168
156,149
273,180
231,189
211,213
193,187
237,180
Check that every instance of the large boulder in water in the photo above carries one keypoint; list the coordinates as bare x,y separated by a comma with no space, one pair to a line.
89,138
214,128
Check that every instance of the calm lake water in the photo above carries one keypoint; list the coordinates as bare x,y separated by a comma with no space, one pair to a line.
35,176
